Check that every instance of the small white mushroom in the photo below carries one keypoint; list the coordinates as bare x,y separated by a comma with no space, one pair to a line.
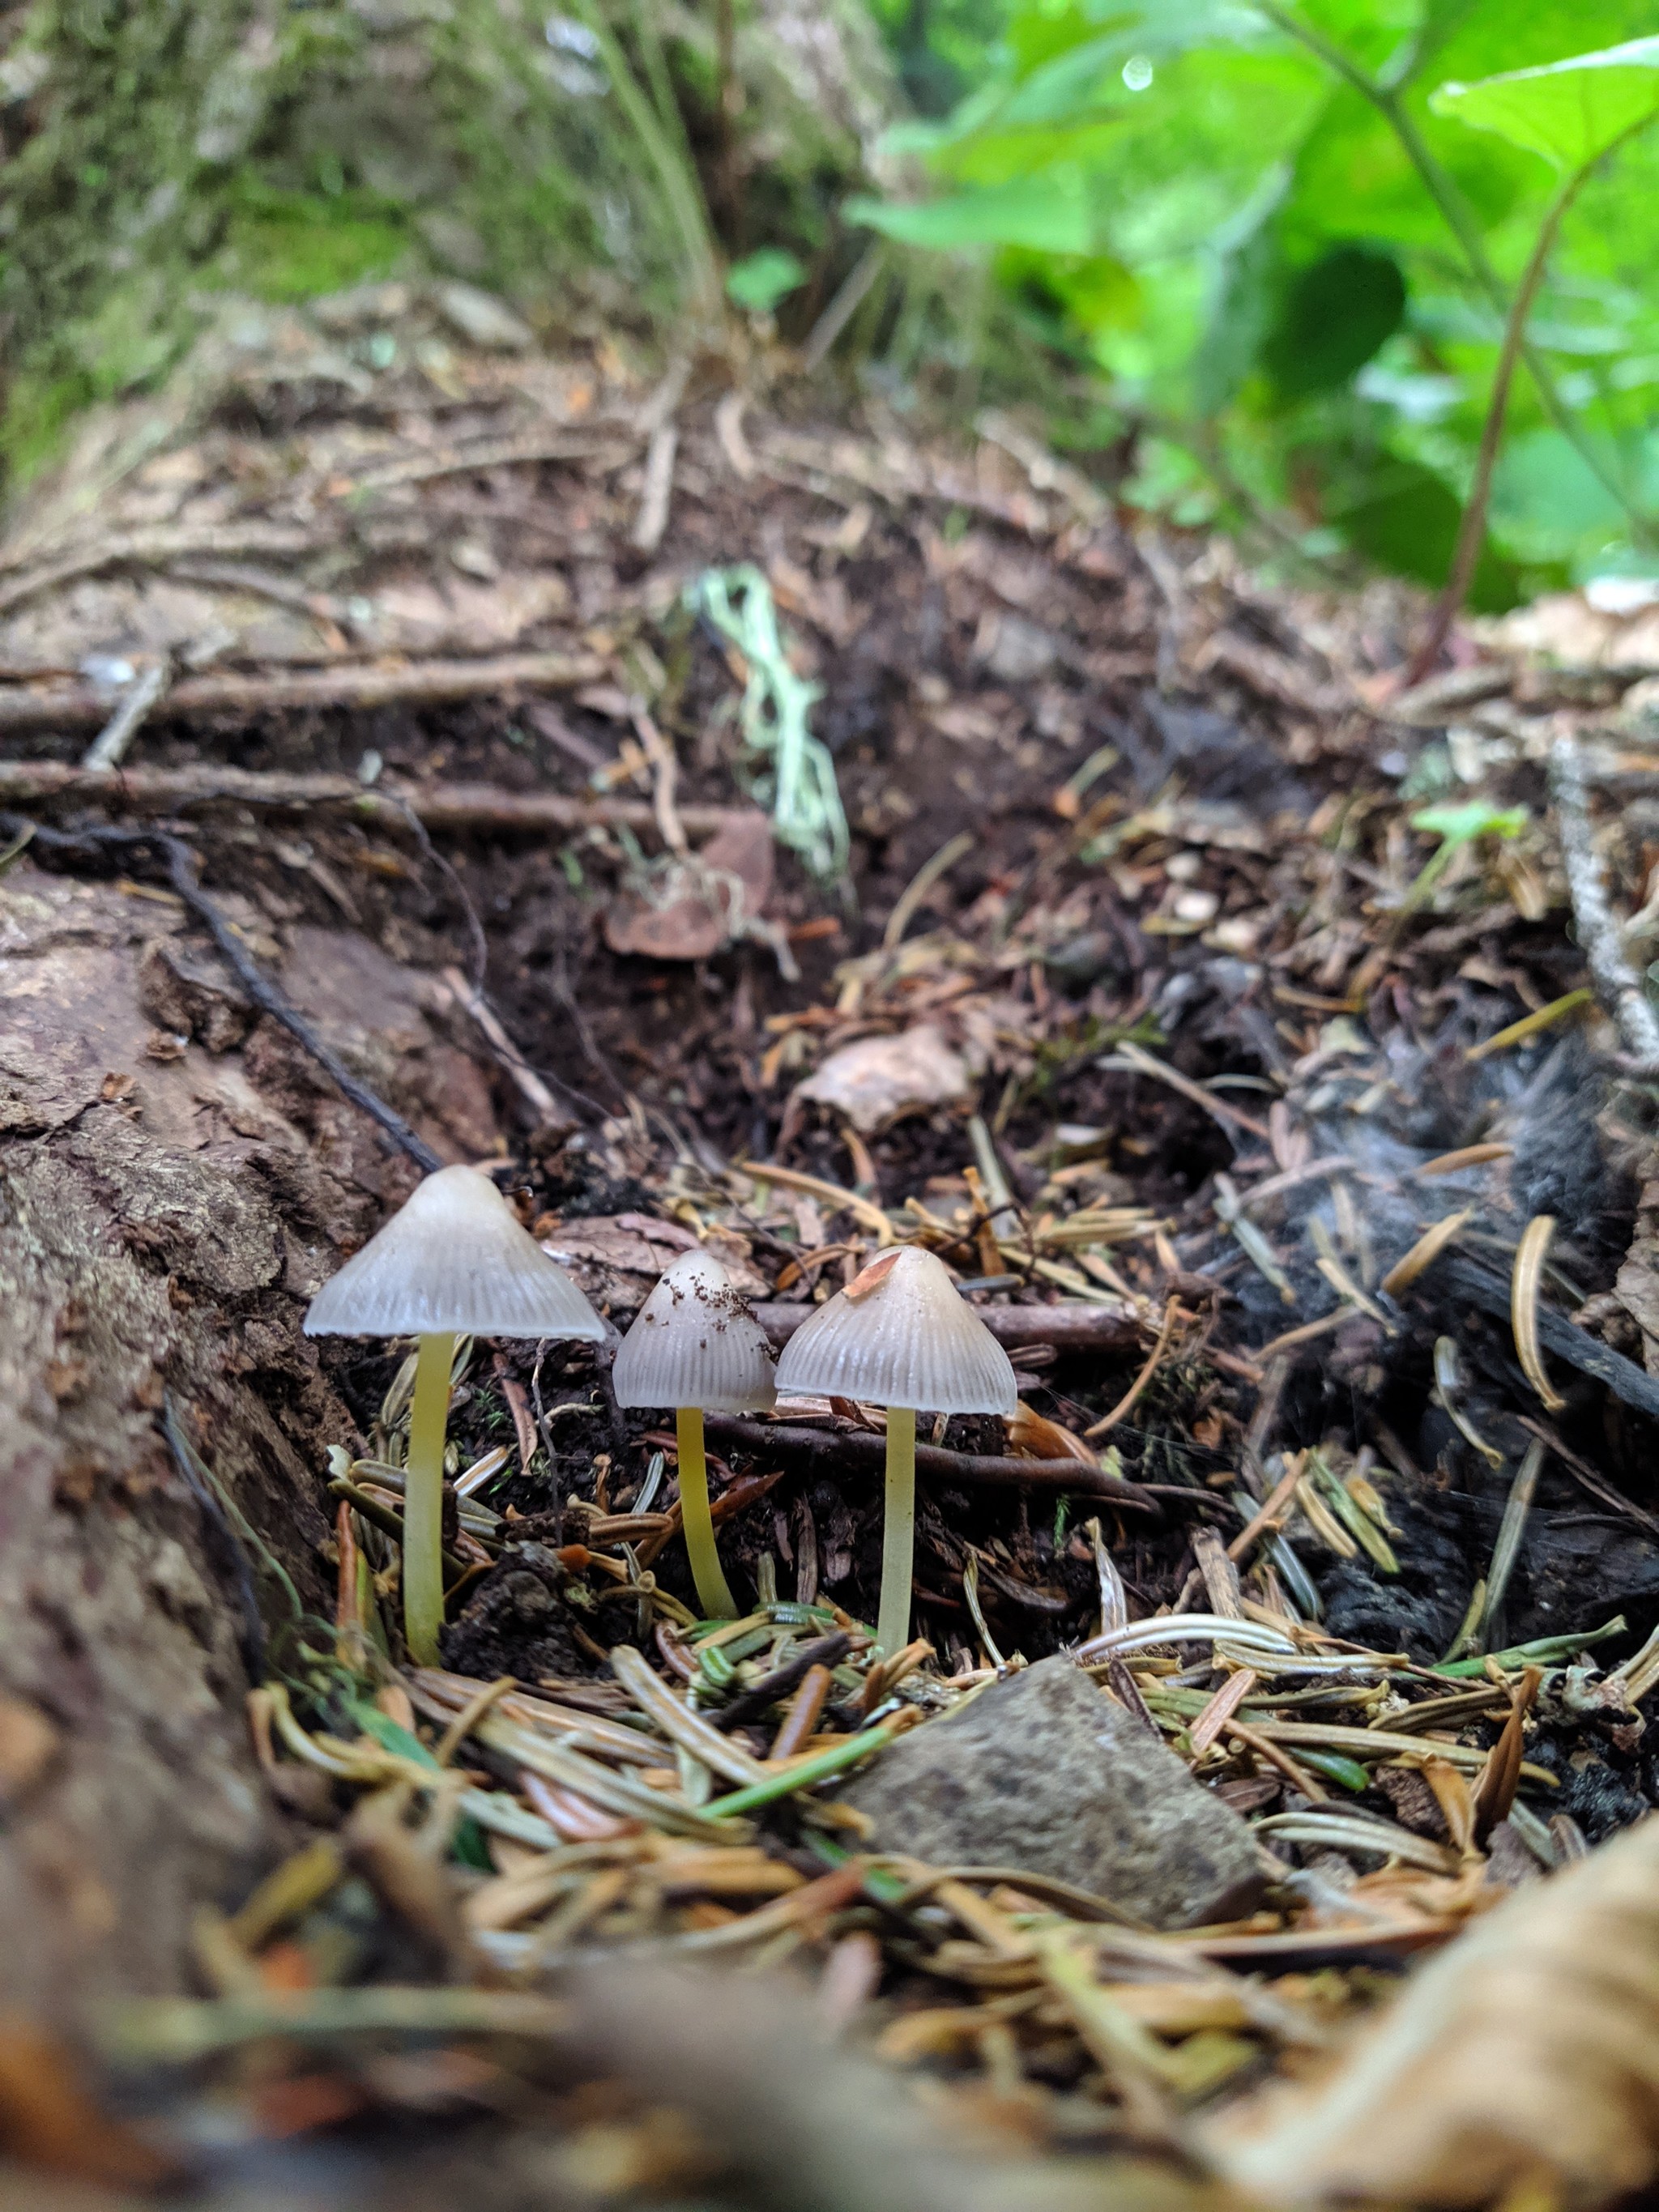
900,1335
696,1347
455,1259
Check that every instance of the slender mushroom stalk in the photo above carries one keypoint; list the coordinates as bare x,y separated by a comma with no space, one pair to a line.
900,1335
455,1260
898,1530
697,1518
423,1496
696,1346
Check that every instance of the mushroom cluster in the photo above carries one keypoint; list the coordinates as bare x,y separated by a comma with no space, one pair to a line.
456,1261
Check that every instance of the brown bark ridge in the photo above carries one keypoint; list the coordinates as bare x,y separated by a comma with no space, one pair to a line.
175,1180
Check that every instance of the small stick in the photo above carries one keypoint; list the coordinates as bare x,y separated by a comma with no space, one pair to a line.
652,522
108,749
353,684
1067,1328
837,1452
529,1086
771,1690
436,806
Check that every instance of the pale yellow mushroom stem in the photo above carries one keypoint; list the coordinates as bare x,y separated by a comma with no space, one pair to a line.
713,1594
423,1499
898,1539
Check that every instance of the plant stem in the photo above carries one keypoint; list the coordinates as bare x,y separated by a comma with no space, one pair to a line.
898,1537
423,1499
1390,104
1472,531
675,173
713,1594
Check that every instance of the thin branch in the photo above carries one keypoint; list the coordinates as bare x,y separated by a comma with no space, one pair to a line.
1067,1328
356,684
1472,531
438,806
834,1451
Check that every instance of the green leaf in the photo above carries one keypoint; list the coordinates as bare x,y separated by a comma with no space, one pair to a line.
1334,316
1457,825
1405,519
1048,214
1571,111
760,279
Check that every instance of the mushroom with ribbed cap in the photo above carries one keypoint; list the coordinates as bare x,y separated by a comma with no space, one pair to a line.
455,1259
900,1335
696,1347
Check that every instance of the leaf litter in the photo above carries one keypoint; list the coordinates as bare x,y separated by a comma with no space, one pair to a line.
1223,1034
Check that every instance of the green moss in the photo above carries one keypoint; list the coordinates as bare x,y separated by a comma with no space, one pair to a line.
293,245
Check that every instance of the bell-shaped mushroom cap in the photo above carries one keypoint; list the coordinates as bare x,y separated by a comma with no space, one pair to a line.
901,1335
455,1257
696,1343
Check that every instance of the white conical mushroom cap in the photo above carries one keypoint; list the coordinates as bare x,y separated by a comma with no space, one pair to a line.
696,1343
455,1257
901,1335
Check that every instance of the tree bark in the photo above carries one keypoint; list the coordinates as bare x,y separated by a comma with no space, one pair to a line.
175,1180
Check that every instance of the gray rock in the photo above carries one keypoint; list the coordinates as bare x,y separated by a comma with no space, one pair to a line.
1046,1773
482,319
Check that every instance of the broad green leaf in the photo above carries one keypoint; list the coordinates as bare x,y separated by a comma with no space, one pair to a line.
1050,215
1334,316
1571,111
760,279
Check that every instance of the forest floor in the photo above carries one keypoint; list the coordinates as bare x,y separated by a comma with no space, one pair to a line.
1216,1008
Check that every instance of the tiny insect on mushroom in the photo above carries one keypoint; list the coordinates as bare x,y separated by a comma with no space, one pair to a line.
696,1346
455,1259
900,1335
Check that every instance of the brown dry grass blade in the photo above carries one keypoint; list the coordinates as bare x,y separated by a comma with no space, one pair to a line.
1528,2053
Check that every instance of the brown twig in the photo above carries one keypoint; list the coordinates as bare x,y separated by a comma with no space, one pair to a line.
1067,1328
1472,531
438,806
828,1450
139,699
355,684
750,1704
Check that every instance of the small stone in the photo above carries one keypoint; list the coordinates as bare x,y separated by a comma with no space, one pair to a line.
1046,1774
482,319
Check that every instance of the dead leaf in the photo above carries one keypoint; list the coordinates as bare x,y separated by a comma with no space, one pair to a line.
701,903
1528,2053
1032,1437
881,1079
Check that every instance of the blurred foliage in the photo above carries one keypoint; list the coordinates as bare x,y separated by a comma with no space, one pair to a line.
1242,243
599,162
1245,256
